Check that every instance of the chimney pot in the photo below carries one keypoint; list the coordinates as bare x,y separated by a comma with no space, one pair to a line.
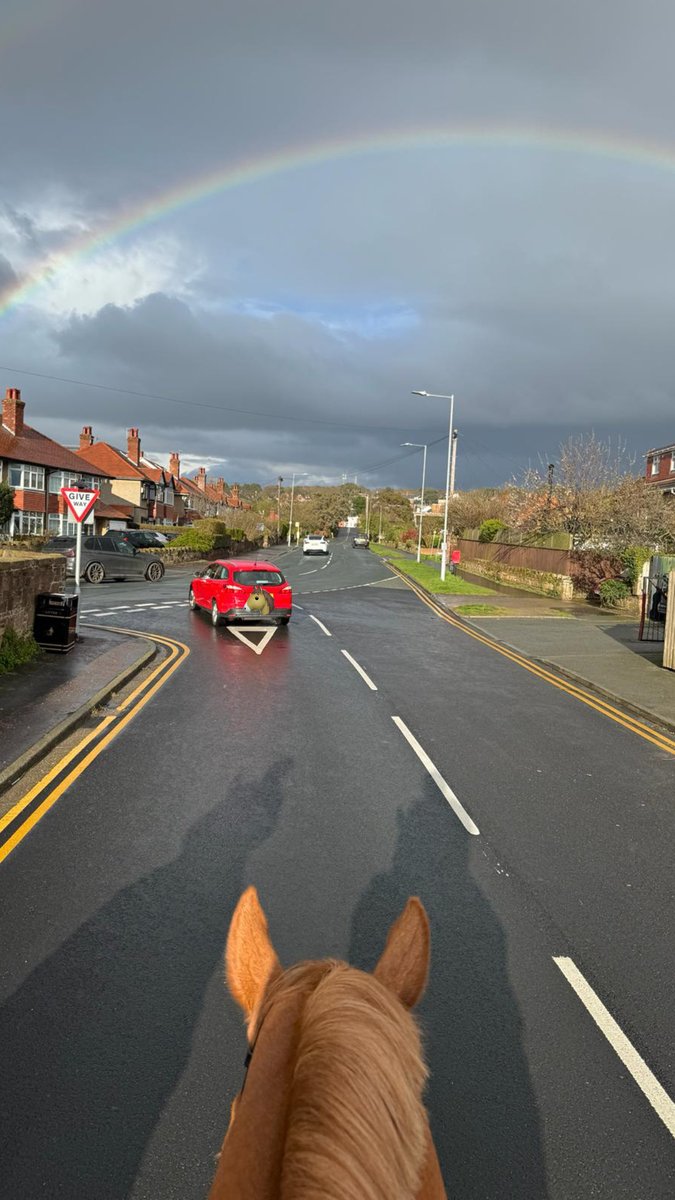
12,411
86,437
134,446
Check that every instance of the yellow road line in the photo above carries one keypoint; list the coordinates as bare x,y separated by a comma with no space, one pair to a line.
179,653
662,741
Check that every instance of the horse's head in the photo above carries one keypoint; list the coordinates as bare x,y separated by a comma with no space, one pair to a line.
332,1102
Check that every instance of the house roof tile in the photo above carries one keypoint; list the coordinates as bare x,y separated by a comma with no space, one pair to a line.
35,448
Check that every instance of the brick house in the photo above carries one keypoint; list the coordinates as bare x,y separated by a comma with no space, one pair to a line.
143,487
660,468
204,497
36,468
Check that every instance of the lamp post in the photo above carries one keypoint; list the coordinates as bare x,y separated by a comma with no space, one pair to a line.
420,446
296,475
442,396
280,480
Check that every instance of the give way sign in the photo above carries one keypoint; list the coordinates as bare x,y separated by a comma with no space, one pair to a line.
79,502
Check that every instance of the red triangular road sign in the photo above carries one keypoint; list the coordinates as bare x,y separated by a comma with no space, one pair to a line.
79,502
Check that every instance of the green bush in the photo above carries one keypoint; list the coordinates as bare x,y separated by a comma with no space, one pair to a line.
613,592
489,529
201,540
633,559
16,650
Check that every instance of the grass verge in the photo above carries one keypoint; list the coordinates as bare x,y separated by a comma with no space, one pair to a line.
480,610
16,650
429,576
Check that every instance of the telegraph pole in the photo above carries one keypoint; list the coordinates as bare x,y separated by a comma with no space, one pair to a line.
280,480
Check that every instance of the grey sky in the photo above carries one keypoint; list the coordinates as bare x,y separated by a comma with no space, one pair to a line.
536,283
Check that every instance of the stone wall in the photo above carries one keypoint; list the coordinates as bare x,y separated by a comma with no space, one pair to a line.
22,576
546,583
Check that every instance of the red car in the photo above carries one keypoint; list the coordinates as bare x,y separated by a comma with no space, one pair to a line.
236,589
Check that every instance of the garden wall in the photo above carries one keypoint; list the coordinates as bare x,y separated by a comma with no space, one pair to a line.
22,577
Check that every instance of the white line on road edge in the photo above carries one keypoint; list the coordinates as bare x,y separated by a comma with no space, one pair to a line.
312,572
647,1082
445,789
327,564
360,670
298,606
326,631
120,608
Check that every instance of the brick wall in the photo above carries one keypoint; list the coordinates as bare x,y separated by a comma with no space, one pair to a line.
22,576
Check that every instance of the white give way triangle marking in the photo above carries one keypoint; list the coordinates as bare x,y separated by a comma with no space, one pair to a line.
244,636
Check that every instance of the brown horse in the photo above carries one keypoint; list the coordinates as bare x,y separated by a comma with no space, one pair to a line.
331,1107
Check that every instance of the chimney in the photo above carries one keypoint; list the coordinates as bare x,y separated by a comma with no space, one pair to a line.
201,479
134,446
174,464
220,485
86,437
235,502
12,411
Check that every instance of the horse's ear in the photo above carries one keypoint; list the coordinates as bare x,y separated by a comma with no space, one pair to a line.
404,964
250,959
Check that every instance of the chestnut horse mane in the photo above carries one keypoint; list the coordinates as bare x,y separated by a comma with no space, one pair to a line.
356,1122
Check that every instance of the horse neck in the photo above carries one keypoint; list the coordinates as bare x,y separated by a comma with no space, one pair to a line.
251,1158
251,1162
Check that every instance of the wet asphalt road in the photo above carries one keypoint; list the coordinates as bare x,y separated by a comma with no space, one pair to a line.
121,1049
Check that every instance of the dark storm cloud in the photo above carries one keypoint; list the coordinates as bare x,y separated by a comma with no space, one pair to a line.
538,285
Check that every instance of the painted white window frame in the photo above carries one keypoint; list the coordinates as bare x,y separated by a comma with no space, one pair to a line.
31,477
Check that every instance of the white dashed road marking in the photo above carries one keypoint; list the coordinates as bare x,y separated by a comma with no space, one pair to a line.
321,626
647,1082
362,673
443,787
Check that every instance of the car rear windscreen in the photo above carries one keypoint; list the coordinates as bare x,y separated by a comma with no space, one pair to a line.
258,578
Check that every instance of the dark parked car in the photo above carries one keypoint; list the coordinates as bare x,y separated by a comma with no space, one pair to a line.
107,557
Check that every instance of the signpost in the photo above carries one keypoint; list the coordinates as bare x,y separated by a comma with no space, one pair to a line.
79,500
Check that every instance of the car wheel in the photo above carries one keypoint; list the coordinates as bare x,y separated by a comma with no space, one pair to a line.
191,600
94,573
215,615
283,620
155,572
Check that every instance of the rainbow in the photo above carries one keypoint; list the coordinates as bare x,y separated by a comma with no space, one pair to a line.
140,214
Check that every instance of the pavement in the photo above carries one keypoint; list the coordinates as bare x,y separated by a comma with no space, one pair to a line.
592,646
44,701
332,771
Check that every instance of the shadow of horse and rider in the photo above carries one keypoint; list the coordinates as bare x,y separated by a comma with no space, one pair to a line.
98,1037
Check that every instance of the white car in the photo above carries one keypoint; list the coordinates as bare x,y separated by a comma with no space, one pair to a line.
315,543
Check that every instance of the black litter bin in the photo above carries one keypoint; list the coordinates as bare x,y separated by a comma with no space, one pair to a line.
55,623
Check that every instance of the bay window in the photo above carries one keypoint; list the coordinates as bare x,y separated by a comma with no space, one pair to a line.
26,477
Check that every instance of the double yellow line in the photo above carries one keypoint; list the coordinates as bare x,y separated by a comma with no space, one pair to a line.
661,740
16,824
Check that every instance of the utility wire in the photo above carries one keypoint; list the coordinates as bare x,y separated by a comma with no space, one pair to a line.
246,412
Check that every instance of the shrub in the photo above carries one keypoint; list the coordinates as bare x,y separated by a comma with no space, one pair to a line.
489,529
589,567
613,592
633,559
200,540
16,650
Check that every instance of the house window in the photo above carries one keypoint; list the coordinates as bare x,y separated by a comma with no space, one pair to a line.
168,495
672,462
27,477
60,526
28,522
60,479
655,463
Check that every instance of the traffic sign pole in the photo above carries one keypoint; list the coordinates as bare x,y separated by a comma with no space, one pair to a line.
80,501
78,568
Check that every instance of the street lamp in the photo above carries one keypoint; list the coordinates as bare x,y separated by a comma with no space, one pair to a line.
420,446
296,475
442,396
280,480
